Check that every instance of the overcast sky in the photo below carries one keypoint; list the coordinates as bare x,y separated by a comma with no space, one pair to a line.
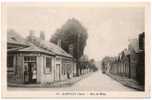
109,28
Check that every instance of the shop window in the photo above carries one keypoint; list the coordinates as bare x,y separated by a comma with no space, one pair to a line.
48,65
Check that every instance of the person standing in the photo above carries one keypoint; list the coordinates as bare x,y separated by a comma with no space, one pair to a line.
26,76
34,75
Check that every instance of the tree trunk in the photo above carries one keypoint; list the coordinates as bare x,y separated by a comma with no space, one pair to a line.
77,69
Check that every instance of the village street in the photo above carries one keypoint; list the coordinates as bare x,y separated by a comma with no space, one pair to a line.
96,81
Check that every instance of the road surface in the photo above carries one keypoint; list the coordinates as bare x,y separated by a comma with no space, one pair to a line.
98,82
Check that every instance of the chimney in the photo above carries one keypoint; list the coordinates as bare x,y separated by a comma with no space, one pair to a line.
42,36
31,36
31,33
59,43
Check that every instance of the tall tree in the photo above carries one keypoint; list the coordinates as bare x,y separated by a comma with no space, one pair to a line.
72,33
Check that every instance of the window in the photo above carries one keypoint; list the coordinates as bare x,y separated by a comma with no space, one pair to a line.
10,62
57,59
63,69
48,65
29,59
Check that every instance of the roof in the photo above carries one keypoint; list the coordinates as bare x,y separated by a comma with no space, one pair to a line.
14,38
50,47
126,52
38,45
33,48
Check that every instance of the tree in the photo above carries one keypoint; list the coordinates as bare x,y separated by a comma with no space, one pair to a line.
92,65
83,63
72,33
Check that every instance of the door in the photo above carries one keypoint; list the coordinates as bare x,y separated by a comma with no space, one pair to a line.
30,71
57,72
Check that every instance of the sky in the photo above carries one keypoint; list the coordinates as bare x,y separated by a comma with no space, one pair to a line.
109,28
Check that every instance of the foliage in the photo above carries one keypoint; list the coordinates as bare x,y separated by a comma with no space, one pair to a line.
71,33
92,65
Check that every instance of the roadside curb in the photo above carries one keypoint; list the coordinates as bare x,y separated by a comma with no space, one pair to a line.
129,83
58,84
65,83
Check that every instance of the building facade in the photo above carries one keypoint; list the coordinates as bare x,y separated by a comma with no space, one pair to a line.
130,63
37,62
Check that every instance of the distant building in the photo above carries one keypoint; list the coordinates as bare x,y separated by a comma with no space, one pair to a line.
134,49
46,60
141,58
137,58
130,62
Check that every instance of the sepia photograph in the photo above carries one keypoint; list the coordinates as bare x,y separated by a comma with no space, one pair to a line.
75,50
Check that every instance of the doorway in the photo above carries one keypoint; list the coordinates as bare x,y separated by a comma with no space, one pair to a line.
57,78
30,69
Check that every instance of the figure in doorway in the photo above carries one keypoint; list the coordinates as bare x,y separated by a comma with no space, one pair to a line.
68,75
26,75
34,75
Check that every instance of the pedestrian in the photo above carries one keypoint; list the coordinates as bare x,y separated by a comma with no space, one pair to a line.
26,75
34,75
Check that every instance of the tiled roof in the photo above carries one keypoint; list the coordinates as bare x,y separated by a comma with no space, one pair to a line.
14,38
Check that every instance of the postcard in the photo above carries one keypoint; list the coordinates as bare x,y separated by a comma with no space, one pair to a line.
75,50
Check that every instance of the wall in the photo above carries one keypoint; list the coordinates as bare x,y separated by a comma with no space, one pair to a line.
47,77
57,71
11,72
133,64
43,77
20,70
39,68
